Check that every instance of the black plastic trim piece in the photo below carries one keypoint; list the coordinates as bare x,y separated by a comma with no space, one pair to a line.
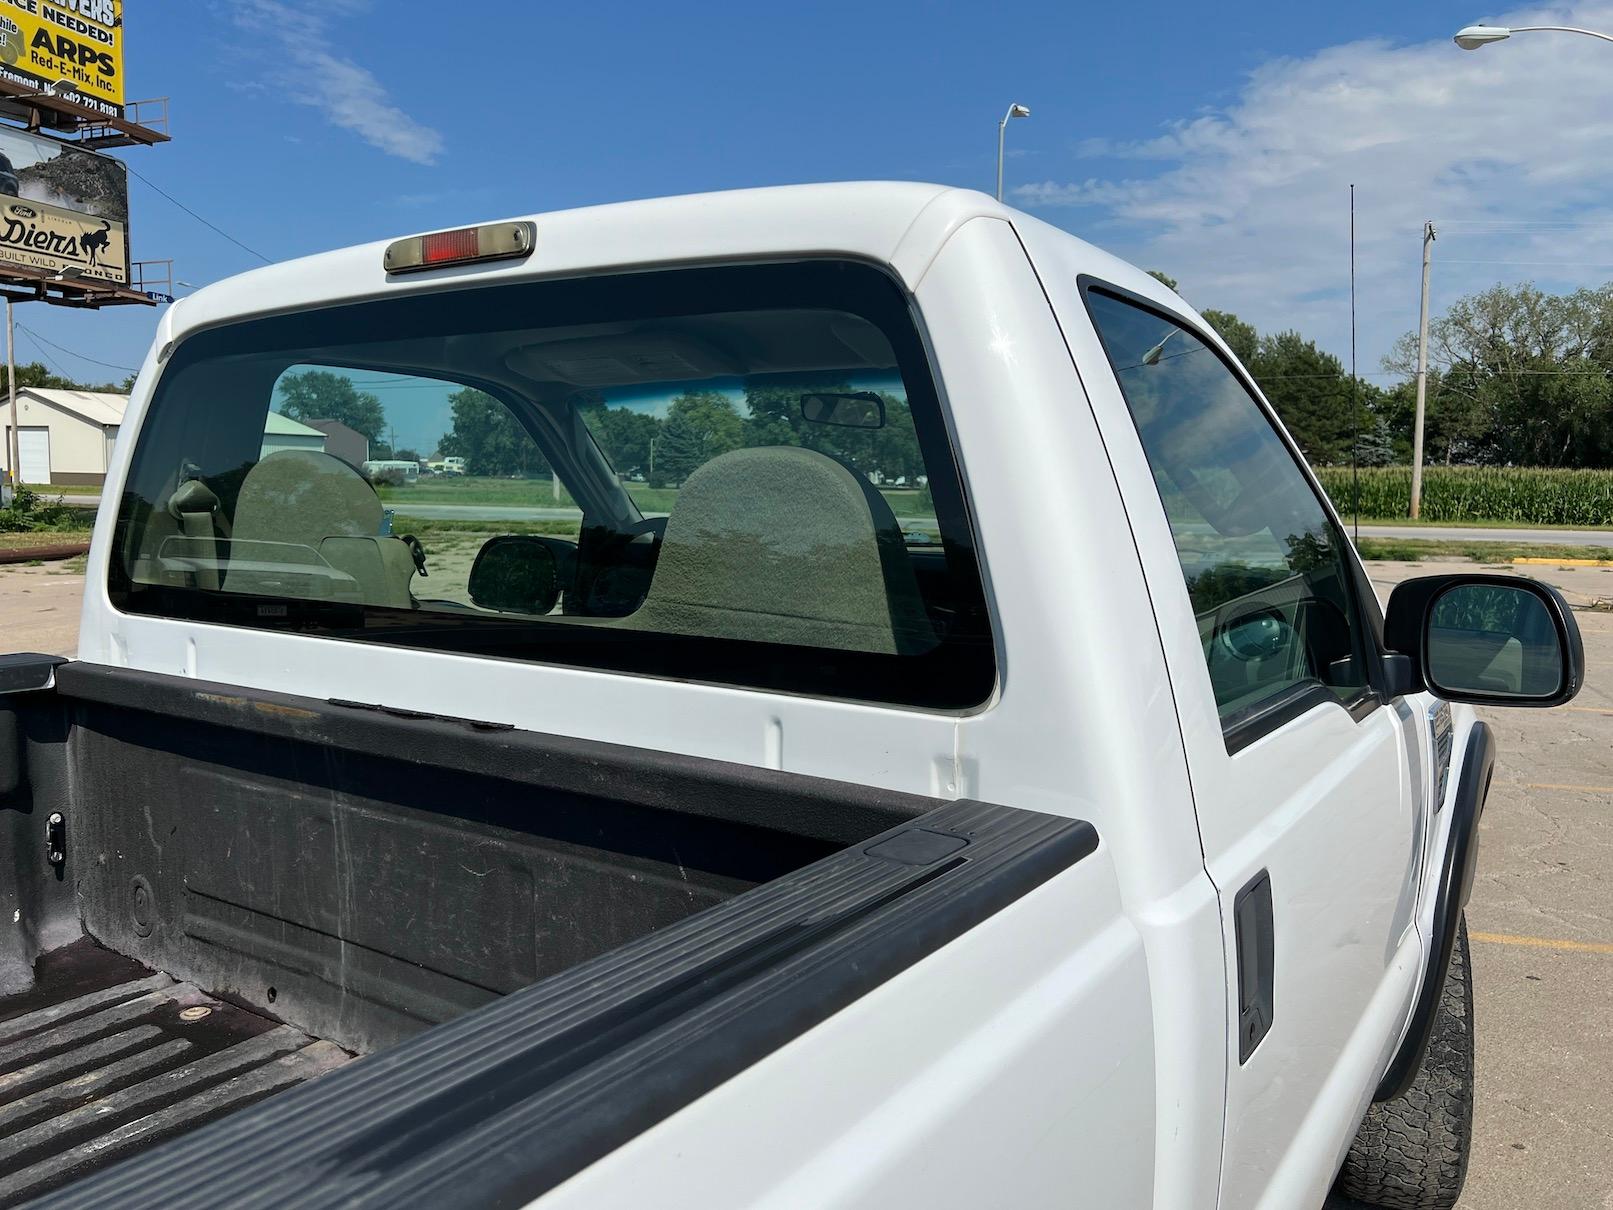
838,812
28,671
1455,885
497,1107
1288,704
1254,931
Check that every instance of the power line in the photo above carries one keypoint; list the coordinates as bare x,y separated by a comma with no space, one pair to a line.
211,226
56,365
60,349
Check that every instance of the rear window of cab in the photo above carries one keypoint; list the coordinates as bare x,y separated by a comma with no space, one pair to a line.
736,475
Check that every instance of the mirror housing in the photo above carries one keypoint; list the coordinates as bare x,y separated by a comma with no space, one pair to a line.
846,409
1486,640
516,573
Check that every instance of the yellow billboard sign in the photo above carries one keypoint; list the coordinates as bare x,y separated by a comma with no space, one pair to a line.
80,41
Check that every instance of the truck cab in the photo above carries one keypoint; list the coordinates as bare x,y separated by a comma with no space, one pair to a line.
970,768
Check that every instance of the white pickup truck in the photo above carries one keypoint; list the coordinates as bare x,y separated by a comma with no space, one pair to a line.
940,751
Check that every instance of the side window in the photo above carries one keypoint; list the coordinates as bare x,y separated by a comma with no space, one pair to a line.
1265,568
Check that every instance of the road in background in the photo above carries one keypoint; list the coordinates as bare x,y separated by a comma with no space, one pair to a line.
1438,533
1541,919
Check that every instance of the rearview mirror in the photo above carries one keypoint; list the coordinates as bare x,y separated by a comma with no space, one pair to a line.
1489,640
850,410
515,574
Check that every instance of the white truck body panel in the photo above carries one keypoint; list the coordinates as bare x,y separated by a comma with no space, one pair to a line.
1116,978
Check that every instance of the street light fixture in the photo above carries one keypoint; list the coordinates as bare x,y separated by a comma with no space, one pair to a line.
1470,37
1016,110
1475,36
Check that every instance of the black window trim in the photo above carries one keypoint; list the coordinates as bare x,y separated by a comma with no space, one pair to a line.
980,664
1292,701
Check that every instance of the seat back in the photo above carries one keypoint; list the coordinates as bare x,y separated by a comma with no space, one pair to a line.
785,545
311,500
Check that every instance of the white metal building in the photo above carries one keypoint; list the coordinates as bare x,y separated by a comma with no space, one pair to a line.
283,433
65,437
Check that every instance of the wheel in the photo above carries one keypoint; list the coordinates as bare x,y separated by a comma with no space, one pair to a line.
1411,1153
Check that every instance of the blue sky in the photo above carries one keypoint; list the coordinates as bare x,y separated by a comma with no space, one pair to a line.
1215,144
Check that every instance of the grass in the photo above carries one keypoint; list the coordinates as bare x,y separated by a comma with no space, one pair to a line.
538,493
52,490
1412,550
1408,523
421,527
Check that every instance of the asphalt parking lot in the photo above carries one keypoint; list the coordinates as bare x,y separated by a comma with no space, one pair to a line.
1541,919
1541,926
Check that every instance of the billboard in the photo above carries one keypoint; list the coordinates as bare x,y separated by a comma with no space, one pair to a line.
62,208
80,41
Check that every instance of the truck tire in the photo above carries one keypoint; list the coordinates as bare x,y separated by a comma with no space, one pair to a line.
1411,1152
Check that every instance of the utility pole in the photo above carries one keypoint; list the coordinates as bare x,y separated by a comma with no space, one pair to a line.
1422,380
14,441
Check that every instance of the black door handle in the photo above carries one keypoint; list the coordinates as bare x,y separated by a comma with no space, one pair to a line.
1256,945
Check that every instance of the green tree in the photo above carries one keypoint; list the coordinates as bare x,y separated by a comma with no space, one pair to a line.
1165,279
323,395
699,426
1241,338
624,435
1311,393
489,438
1519,376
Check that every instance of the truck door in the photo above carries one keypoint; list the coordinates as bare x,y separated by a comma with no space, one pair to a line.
1296,758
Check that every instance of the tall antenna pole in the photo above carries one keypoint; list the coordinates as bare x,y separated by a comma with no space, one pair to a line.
1422,380
1355,383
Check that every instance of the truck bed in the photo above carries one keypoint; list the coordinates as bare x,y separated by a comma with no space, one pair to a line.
103,1056
535,946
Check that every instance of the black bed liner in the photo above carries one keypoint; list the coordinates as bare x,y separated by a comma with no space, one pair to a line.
495,1108
103,1056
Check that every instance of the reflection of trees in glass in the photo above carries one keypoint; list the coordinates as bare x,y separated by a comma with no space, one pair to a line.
1494,610
1215,586
1310,551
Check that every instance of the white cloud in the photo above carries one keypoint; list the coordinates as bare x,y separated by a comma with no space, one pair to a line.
1506,149
349,95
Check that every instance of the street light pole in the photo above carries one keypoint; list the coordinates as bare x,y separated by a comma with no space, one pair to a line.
1016,110
1474,36
1422,379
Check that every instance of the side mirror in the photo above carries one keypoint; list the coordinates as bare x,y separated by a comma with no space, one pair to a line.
515,574
849,410
1488,640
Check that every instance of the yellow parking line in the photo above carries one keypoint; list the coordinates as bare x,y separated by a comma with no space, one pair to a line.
1544,943
1590,709
1546,785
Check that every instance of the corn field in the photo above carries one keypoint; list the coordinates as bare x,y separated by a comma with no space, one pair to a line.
1453,494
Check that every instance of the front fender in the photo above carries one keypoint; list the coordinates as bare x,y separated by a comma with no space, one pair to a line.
1456,873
